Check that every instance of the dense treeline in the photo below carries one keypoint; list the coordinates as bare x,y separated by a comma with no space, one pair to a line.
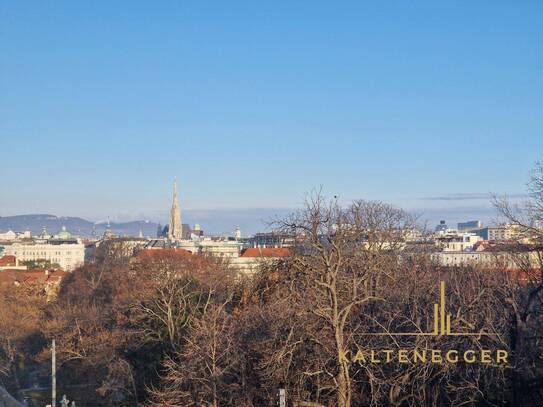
165,328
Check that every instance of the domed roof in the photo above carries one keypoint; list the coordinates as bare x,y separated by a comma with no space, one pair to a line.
64,234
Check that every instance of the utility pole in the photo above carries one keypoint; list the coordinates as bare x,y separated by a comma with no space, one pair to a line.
282,398
53,374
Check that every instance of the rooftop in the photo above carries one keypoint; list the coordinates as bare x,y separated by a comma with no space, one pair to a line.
9,276
266,252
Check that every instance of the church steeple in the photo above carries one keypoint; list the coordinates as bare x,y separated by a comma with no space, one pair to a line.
175,231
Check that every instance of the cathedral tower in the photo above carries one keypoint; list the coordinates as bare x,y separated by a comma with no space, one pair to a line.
175,230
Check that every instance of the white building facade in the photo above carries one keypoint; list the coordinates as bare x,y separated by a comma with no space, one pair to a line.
214,247
68,255
457,241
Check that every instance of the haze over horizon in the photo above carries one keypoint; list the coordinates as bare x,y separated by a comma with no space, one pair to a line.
427,106
252,220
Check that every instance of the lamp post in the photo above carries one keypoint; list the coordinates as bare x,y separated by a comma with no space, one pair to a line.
53,374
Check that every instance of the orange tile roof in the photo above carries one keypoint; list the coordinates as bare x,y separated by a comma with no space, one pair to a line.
150,253
266,252
8,260
30,276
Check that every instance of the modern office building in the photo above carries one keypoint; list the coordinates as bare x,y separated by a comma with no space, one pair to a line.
469,225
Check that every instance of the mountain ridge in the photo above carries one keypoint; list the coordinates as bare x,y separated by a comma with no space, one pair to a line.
76,225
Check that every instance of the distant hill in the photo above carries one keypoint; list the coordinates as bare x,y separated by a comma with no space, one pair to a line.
75,225
212,221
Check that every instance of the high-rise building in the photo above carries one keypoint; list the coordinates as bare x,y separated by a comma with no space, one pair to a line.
469,225
502,232
175,229
442,227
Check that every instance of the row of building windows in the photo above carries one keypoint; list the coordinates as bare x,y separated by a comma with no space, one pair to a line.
44,253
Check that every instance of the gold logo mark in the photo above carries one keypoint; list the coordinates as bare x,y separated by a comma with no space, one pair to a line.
442,322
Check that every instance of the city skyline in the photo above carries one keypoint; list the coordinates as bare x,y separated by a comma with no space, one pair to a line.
267,203
252,220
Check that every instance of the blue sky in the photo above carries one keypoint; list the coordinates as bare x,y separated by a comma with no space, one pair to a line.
252,104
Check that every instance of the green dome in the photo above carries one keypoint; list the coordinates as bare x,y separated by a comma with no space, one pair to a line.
64,234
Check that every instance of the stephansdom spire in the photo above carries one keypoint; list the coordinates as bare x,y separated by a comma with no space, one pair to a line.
175,231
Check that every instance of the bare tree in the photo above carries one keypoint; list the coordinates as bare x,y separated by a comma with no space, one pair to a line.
340,261
525,292
205,372
20,311
179,289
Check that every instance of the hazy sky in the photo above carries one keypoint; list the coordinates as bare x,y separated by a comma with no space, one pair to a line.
252,104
